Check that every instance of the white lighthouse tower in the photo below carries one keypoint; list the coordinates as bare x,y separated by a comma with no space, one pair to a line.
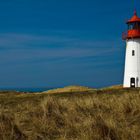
132,58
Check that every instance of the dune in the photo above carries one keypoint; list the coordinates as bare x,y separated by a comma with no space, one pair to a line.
70,89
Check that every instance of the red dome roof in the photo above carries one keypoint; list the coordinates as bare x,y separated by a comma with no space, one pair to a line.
135,18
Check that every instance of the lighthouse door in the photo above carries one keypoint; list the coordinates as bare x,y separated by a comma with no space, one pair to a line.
132,83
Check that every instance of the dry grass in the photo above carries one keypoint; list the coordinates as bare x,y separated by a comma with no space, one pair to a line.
69,89
99,115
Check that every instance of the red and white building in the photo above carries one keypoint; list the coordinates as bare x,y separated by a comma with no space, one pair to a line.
132,57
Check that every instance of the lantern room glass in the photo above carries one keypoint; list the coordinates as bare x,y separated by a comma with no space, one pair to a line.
133,26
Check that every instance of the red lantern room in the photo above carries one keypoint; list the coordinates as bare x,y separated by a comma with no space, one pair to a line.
133,28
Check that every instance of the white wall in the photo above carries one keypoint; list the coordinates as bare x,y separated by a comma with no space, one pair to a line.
132,63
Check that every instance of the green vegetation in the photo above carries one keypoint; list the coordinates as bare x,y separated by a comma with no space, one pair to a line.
87,114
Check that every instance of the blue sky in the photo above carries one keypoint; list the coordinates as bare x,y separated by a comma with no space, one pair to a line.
54,43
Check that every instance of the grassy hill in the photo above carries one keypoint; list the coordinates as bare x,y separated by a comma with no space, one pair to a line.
71,113
69,89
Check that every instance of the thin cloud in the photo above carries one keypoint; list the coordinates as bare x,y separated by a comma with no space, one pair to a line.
17,41
24,48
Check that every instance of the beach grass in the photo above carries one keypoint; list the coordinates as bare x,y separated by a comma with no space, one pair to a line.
87,114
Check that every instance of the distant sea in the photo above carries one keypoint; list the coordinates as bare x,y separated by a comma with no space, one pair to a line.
26,89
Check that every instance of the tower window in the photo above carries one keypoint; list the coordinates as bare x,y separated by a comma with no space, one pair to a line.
132,26
133,53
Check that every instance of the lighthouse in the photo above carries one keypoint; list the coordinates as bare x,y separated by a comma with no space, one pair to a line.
132,56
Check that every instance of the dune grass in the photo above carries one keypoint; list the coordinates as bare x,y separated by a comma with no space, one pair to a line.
105,114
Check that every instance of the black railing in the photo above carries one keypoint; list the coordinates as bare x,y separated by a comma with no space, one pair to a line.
124,35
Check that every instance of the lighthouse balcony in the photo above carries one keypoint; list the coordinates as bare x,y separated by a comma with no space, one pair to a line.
134,33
